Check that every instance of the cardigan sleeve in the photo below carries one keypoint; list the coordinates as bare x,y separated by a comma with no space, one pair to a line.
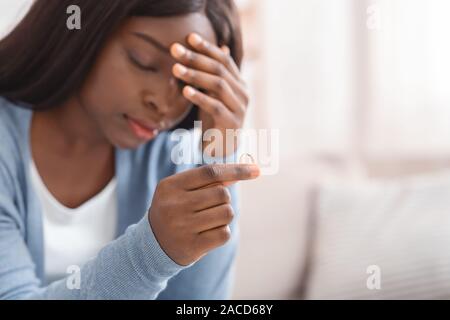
132,267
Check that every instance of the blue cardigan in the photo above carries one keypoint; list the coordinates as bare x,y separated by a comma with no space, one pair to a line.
133,266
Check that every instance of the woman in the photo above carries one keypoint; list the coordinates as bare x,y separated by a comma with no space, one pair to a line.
91,204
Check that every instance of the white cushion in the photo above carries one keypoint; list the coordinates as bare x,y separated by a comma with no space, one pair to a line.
402,227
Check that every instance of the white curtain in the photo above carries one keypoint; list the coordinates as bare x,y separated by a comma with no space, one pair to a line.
356,87
408,85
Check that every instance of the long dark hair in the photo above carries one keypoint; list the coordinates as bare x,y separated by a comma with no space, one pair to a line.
42,62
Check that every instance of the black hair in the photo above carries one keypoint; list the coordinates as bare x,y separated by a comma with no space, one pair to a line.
42,62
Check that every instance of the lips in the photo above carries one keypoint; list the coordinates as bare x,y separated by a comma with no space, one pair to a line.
141,130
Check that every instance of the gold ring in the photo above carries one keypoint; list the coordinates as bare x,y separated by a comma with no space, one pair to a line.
245,157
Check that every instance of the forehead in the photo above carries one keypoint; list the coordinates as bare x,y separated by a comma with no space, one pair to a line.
168,30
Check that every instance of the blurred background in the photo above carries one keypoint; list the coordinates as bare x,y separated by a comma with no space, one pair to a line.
359,92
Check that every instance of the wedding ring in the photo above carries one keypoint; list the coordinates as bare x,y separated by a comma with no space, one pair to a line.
246,158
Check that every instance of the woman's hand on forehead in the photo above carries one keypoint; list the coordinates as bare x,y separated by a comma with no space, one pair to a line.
214,82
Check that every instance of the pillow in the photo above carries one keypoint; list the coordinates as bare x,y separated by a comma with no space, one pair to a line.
382,240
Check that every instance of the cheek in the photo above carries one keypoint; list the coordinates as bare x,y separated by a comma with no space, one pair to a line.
109,88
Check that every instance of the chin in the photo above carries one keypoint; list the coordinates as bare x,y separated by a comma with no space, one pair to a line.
133,143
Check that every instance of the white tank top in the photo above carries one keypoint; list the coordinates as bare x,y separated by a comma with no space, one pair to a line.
73,236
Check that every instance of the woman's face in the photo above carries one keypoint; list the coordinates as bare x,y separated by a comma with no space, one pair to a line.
131,93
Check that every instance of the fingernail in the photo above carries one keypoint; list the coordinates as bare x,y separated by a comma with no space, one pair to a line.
180,70
189,91
226,49
178,50
195,39
256,172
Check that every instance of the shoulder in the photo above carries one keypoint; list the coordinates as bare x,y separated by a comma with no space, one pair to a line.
13,131
169,153
181,148
13,118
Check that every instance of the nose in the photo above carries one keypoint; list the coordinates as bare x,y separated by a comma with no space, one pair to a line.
166,97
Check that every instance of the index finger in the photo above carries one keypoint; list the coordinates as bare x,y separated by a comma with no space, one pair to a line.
217,174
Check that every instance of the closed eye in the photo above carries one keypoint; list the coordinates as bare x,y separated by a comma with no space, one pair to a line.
141,66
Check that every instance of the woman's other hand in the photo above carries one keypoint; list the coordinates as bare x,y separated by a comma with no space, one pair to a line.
191,211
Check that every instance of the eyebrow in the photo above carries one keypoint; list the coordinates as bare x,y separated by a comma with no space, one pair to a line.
152,41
